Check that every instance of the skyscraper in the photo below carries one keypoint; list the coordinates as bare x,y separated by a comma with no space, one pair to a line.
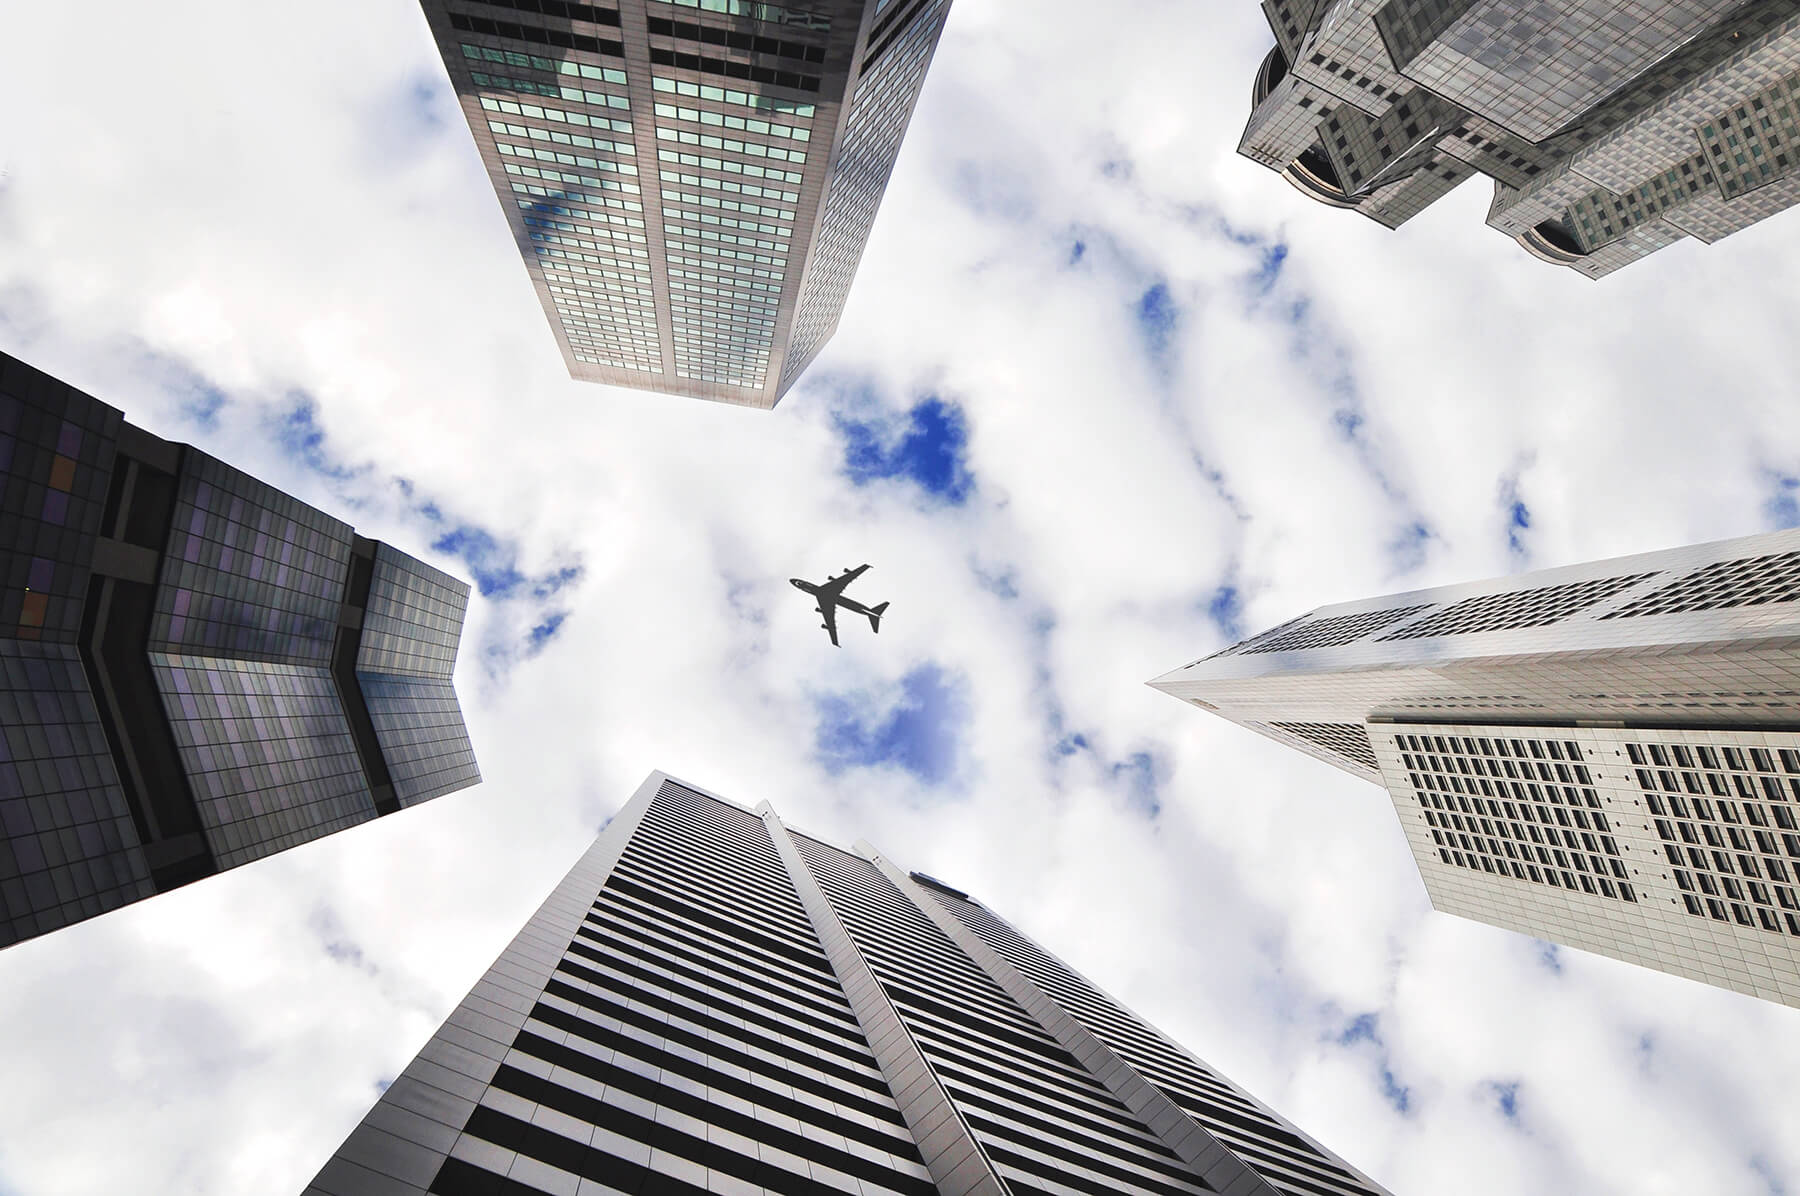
1605,755
691,182
1610,130
712,1002
196,670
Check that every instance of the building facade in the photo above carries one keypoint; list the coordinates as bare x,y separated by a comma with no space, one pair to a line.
196,670
1609,130
713,1002
690,182
1605,755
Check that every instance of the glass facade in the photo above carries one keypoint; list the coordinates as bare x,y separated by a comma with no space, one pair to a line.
1610,130
713,1003
410,630
1602,755
196,670
241,637
68,846
691,228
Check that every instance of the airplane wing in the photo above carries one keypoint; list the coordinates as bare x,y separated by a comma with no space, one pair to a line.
829,610
835,585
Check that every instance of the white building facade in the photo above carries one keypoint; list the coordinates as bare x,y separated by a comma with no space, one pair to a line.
1605,755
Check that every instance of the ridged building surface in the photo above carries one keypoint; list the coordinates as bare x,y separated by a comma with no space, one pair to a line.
1605,755
1610,130
690,182
713,1002
196,669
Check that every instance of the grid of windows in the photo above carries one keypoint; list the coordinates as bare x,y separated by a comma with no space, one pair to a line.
1525,808
267,752
1753,581
56,453
862,164
536,34
414,617
68,846
724,300
772,14
1329,633
1349,740
595,264
1753,145
733,140
1036,1113
1610,130
692,1037
572,9
1516,608
404,662
1727,820
1295,1166
248,571
712,1003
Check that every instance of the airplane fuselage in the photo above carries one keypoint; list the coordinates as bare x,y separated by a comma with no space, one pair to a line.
829,595
849,604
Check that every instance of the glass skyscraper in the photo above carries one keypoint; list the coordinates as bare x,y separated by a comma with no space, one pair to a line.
691,182
196,670
713,1002
1605,755
1610,130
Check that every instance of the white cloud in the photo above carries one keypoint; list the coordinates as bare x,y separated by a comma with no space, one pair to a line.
285,204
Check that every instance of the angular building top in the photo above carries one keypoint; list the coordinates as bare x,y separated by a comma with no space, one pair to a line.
713,1002
1609,130
1606,755
691,182
199,670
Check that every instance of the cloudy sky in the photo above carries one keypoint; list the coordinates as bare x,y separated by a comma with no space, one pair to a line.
1105,397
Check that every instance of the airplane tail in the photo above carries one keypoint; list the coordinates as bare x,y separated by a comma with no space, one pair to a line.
875,617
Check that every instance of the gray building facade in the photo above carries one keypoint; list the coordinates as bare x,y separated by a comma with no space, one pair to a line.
1610,130
196,670
714,1002
690,182
1605,755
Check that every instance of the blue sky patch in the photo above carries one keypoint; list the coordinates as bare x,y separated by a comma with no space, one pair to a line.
1140,774
1158,316
1782,509
298,433
1550,956
919,733
1506,1099
1226,609
1408,548
490,564
929,449
1366,1028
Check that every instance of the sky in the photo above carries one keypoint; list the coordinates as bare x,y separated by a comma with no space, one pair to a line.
1105,397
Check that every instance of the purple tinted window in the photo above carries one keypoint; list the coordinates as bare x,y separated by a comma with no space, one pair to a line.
43,573
182,598
68,442
56,507
6,452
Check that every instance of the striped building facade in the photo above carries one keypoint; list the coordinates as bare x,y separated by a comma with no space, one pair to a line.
712,1002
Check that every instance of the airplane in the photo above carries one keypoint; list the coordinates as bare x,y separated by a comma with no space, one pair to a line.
830,596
